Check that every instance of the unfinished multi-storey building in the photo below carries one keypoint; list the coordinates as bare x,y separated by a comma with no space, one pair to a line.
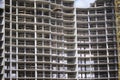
53,40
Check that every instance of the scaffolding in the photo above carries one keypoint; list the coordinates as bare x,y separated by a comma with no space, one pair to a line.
117,12
1,43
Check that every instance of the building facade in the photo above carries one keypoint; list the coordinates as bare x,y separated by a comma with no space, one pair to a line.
53,40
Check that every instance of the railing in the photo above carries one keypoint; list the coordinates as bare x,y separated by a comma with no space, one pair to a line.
71,76
71,69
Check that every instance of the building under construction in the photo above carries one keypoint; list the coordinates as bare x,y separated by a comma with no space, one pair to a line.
53,40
